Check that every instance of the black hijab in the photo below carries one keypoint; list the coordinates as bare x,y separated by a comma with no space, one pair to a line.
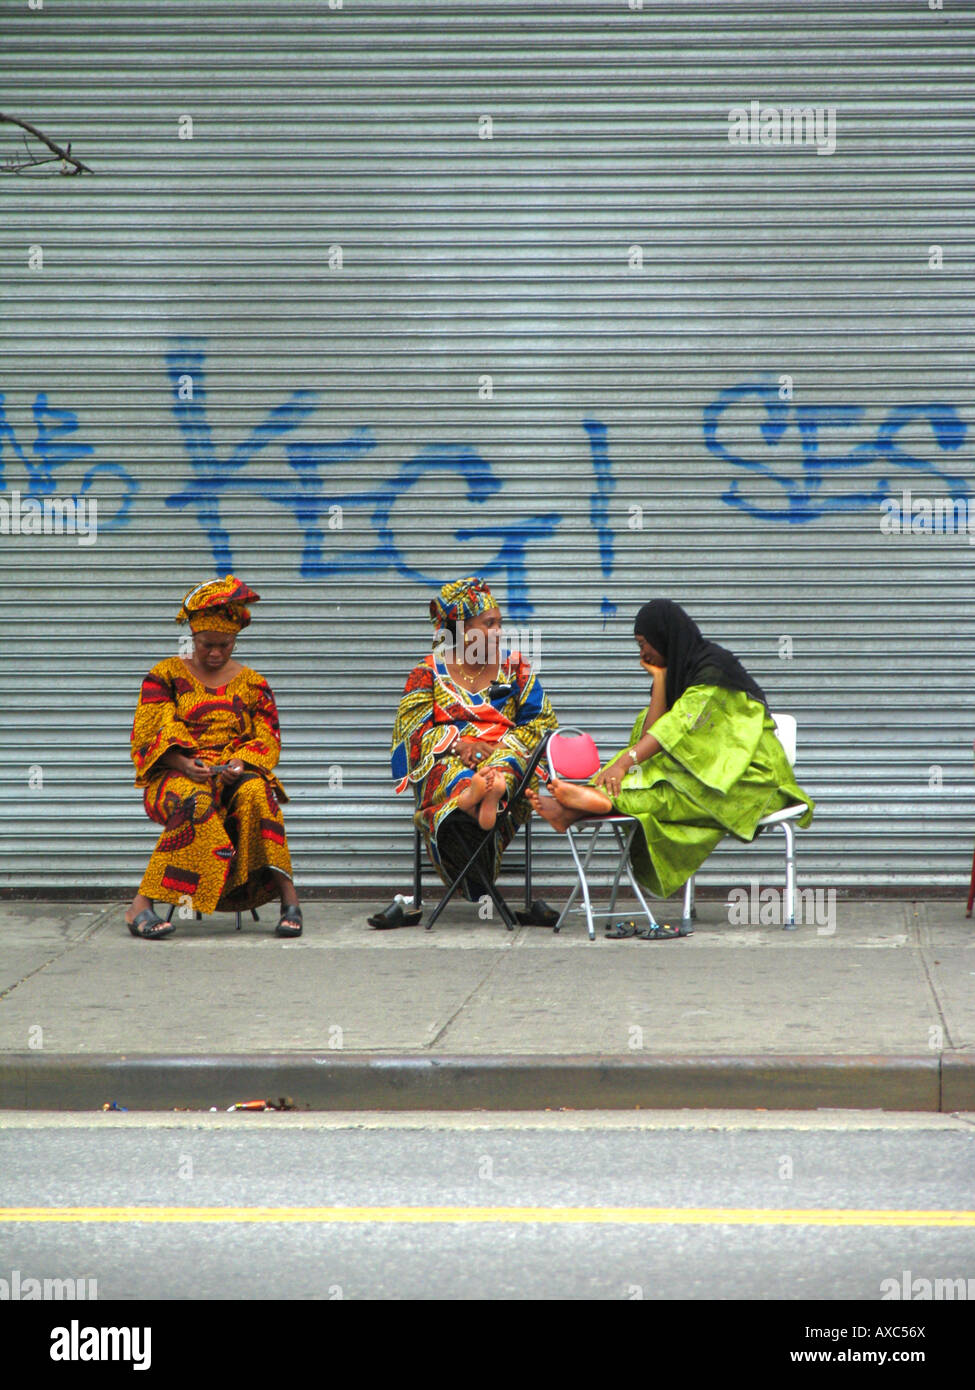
690,658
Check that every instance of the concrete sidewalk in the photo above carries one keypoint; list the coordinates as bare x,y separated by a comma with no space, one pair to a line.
879,1014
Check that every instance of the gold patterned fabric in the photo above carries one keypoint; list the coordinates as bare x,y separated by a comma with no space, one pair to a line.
219,840
218,605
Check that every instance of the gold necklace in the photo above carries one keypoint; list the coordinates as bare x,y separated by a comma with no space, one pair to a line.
471,680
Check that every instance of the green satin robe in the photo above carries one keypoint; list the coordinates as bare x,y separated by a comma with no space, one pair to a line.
721,769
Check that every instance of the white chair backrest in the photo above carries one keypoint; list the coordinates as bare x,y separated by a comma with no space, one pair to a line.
785,728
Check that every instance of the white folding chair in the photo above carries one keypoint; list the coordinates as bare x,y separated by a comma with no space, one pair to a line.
625,827
785,728
578,766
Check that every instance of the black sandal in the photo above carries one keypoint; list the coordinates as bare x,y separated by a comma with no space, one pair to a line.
620,931
396,915
662,931
289,923
150,927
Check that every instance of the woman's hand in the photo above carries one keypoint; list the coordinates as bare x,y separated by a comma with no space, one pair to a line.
472,751
232,771
658,672
609,778
188,766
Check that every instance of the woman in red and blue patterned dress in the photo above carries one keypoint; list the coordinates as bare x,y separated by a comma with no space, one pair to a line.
469,720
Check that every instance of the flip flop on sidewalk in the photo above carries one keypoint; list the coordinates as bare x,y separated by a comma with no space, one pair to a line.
619,931
659,931
662,931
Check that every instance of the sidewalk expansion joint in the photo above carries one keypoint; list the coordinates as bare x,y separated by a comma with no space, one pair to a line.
495,964
946,1032
59,955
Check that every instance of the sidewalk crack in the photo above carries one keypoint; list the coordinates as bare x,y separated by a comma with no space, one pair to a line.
68,946
502,952
921,951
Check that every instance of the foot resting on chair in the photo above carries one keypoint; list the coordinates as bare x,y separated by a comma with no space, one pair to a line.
587,800
547,807
568,803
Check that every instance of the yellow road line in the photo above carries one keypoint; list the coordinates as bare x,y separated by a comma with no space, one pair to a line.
551,1216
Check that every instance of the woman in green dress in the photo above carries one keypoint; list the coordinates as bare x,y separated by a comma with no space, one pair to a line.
702,760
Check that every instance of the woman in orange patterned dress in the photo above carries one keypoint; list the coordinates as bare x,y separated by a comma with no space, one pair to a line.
205,742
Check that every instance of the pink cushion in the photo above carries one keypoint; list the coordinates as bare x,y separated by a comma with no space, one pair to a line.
573,755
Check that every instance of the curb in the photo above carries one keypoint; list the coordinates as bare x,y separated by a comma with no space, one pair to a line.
371,1081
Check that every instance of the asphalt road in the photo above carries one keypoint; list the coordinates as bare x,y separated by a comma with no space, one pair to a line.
751,1194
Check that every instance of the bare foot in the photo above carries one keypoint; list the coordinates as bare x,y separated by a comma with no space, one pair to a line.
579,798
473,793
496,788
558,816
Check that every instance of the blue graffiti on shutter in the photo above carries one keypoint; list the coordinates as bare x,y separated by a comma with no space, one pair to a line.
306,496
51,450
599,503
868,464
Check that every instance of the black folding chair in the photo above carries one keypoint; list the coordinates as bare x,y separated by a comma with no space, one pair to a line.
536,911
199,915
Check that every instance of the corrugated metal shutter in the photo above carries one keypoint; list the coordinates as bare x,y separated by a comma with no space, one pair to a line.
615,388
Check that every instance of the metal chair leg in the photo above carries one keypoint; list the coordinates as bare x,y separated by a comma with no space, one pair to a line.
637,892
690,911
417,869
583,872
495,896
790,876
572,896
581,867
199,915
448,894
623,845
624,838
503,909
